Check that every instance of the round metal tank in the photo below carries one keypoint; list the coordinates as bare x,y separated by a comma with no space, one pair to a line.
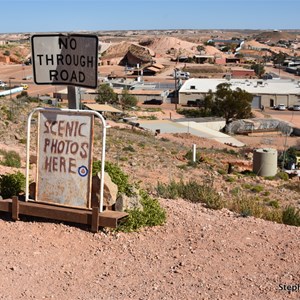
265,162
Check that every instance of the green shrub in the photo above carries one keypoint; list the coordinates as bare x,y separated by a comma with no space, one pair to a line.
253,188
192,191
221,171
11,184
230,179
248,173
247,186
168,191
291,216
257,188
152,109
142,145
182,167
294,186
274,215
235,191
193,113
273,203
189,157
129,148
229,151
152,117
33,99
166,140
283,176
117,176
123,158
270,177
10,159
151,215
211,198
23,141
246,206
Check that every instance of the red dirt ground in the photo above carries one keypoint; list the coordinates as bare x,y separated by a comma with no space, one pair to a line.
198,254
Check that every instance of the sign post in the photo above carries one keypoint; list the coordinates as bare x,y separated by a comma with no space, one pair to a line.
65,59
73,97
65,139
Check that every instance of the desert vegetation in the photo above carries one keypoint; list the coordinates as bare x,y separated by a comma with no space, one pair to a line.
206,181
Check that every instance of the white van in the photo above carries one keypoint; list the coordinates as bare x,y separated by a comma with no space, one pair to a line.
2,84
181,75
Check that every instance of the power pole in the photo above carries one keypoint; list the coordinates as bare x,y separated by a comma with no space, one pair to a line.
176,88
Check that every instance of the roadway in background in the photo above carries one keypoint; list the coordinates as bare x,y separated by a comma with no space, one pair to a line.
15,75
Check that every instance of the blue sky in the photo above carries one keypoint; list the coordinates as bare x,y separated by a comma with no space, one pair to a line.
74,15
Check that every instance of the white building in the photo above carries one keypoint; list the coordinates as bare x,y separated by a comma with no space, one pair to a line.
265,92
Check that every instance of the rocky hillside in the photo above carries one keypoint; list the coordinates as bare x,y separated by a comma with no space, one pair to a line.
17,53
200,253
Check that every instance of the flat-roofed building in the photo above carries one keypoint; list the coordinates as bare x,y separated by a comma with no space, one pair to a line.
265,92
143,95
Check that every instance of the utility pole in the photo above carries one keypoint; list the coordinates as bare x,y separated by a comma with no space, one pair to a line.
176,88
9,88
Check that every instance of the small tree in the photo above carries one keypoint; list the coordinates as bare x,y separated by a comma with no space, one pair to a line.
232,104
200,48
127,100
106,95
24,94
258,69
279,58
208,102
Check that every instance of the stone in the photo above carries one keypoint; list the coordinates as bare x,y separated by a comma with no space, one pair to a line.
125,202
17,136
110,191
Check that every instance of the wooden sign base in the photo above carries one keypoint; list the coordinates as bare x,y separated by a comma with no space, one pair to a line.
94,218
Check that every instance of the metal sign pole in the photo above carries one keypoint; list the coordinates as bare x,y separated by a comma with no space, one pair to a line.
73,97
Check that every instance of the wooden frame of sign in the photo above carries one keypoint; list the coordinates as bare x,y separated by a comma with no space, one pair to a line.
93,218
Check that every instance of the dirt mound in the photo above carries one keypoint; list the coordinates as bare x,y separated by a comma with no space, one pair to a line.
211,50
255,44
128,53
136,55
117,50
18,54
162,45
275,36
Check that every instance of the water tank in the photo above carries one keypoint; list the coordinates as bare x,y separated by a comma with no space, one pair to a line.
265,162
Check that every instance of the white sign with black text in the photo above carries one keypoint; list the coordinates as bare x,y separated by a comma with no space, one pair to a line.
65,59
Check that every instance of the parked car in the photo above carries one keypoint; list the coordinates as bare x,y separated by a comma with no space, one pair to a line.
192,103
183,75
153,101
280,107
195,103
295,107
24,86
